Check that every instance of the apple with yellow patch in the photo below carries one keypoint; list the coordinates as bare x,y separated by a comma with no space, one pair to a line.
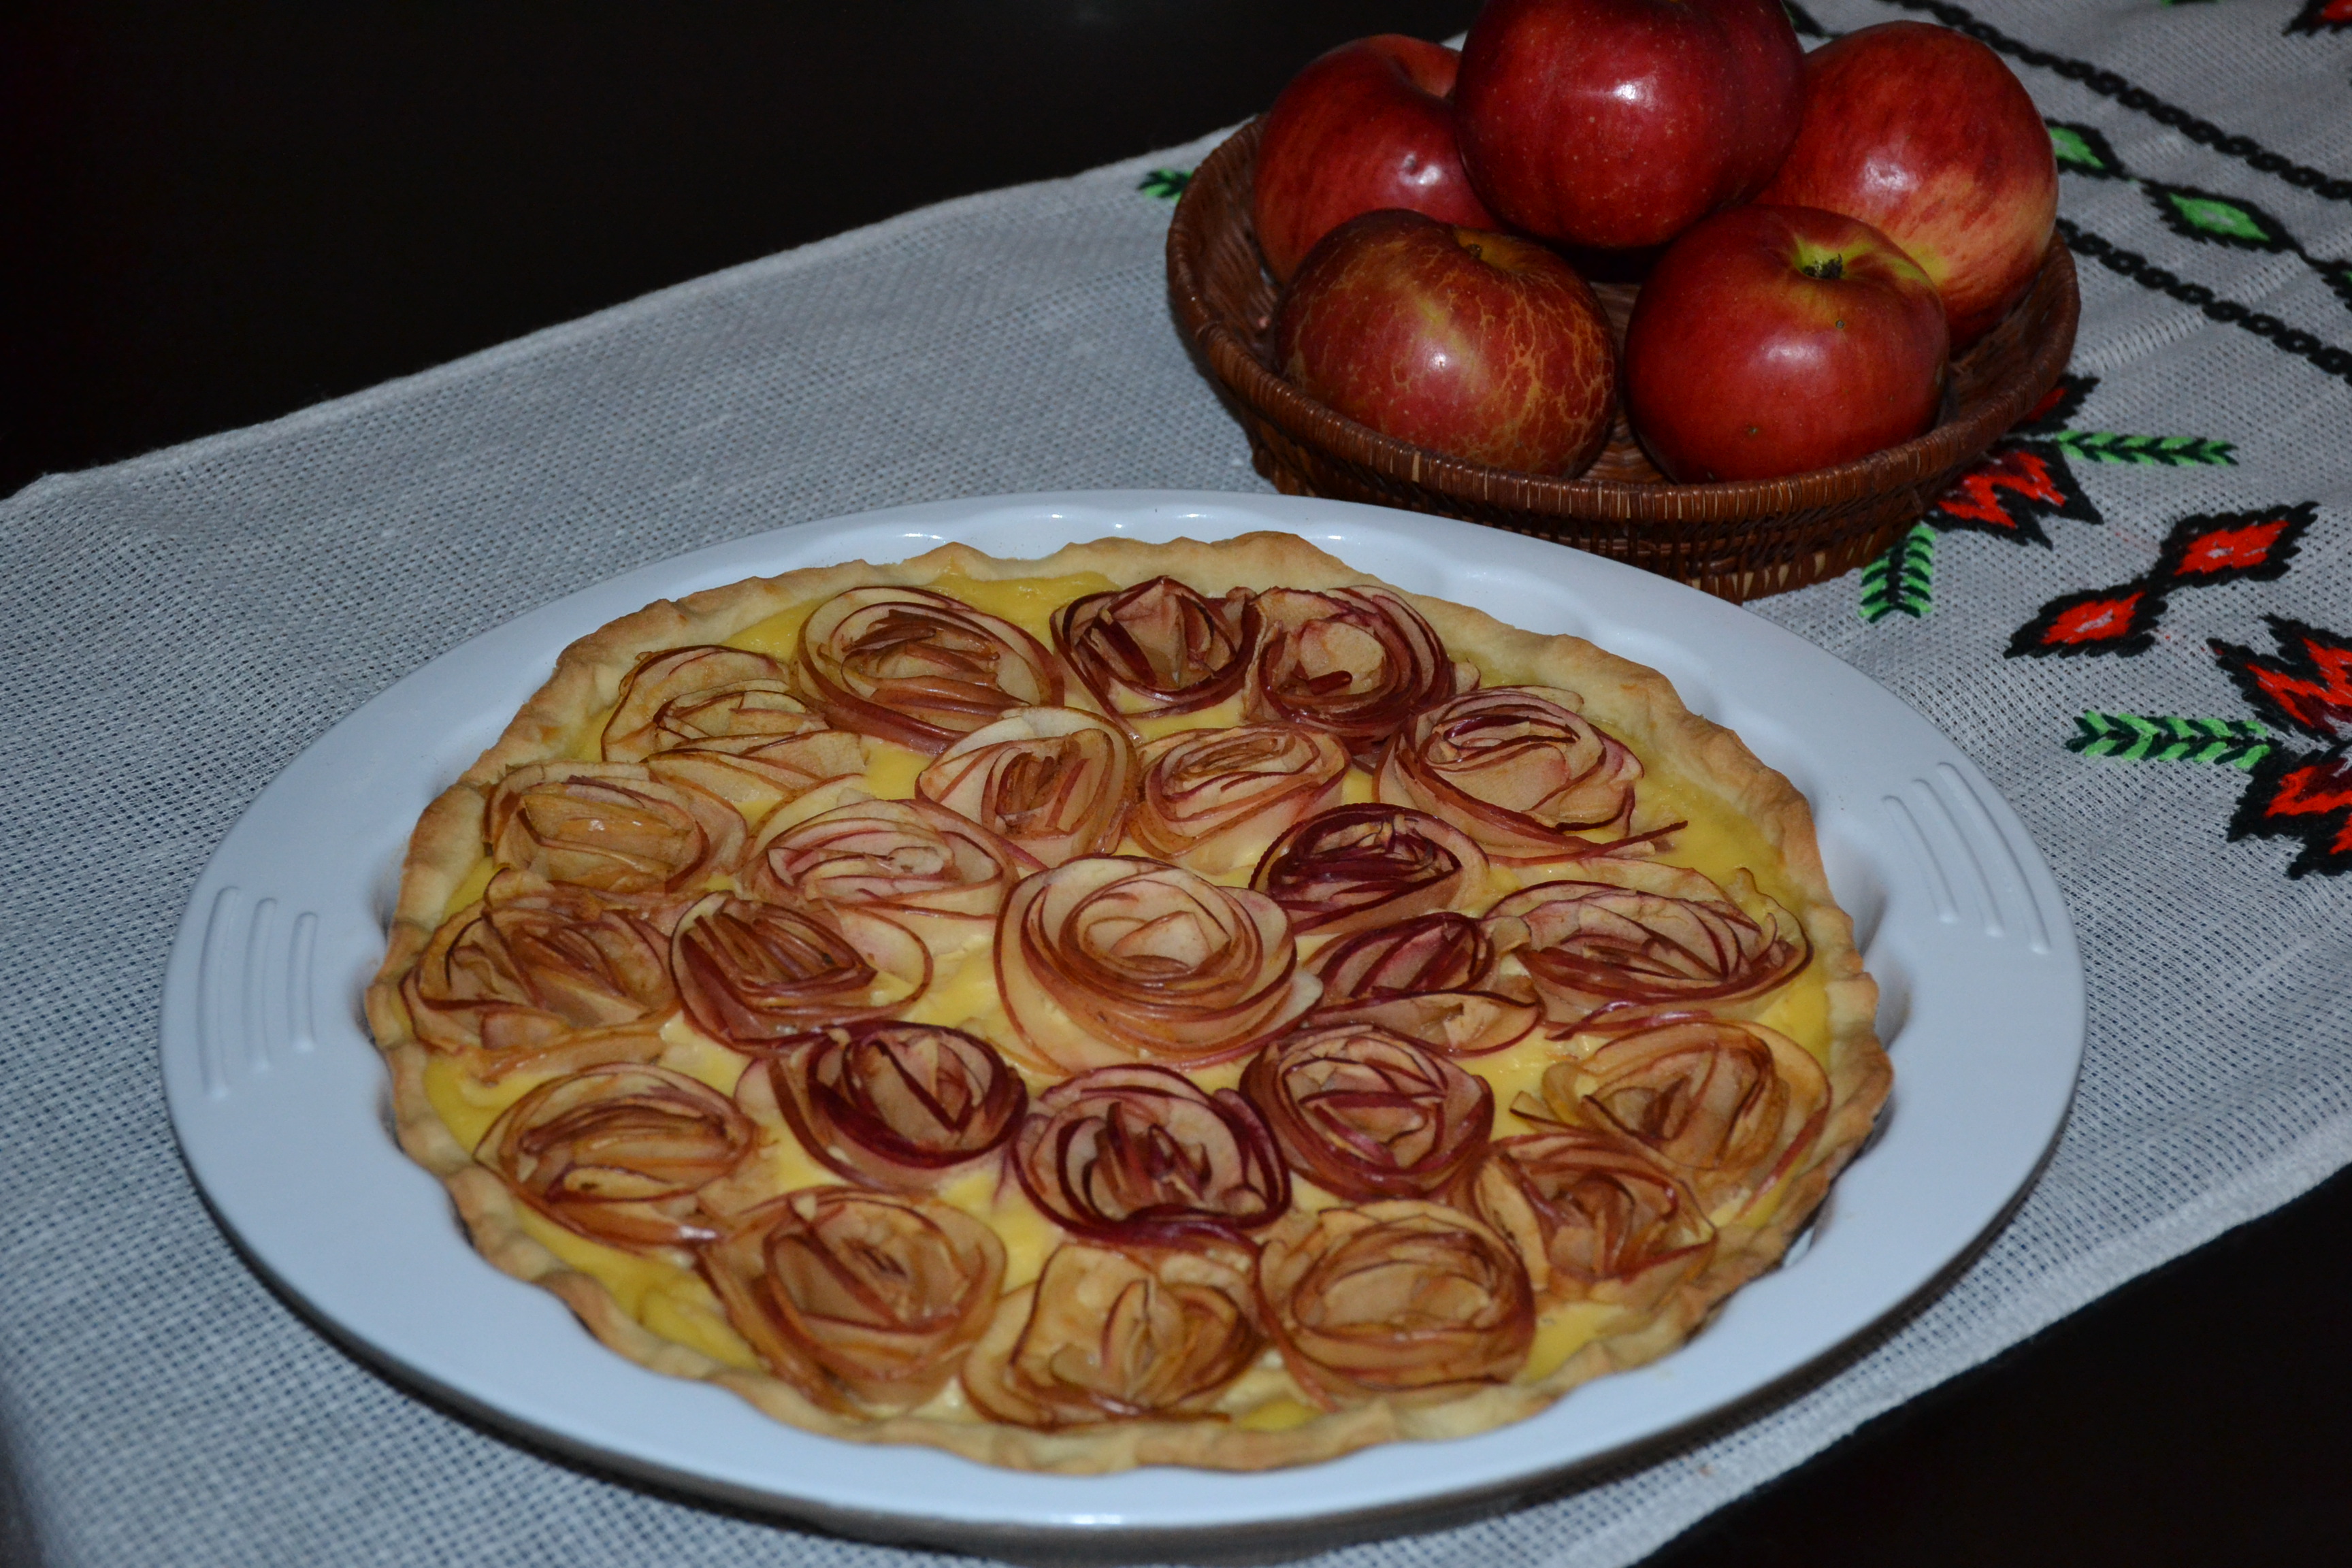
1479,345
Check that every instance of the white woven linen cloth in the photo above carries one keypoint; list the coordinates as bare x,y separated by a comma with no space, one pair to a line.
178,627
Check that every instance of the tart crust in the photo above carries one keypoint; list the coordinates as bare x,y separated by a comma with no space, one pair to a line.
1636,704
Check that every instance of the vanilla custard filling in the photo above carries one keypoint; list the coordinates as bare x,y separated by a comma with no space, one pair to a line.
671,1299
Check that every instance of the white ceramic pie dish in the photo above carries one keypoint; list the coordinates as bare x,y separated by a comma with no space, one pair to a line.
280,1102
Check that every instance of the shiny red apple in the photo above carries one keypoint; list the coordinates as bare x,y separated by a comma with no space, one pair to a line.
1772,341
1480,345
1617,124
1366,126
1927,137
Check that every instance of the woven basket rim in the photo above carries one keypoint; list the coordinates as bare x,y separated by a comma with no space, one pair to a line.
1237,367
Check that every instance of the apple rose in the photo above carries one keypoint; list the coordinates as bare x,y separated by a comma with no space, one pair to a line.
727,722
1355,662
532,966
1401,1299
1368,1114
1730,1107
942,876
1119,1334
1594,1218
615,1152
1520,769
752,972
1432,978
1140,1152
919,668
1054,781
864,1301
901,1106
1354,868
756,782
1112,959
1215,799
611,828
1159,646
1642,935
719,699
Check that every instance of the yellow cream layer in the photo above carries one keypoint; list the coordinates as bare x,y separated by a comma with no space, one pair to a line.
674,1302
1028,603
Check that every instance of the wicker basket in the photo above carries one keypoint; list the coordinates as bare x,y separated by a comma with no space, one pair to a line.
1738,541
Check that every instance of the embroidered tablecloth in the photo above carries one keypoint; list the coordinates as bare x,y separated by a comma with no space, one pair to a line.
2137,616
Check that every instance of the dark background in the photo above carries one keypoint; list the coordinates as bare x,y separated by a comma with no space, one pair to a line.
217,214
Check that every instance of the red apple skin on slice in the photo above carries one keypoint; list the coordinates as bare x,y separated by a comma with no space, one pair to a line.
1366,126
1929,138
1773,341
1619,123
1479,345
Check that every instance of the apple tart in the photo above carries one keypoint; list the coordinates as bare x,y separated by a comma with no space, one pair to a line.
1171,1003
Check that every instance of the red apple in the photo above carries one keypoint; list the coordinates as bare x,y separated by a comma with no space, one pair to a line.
1479,345
1366,126
1773,341
1616,123
1927,137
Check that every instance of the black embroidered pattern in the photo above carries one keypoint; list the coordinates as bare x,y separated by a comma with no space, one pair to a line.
2204,550
2208,217
2304,795
2329,357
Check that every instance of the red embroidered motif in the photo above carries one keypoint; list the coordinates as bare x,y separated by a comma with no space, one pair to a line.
2094,620
2299,794
1978,493
2104,620
2228,547
2310,689
2306,796
2201,552
2231,546
2010,491
2313,790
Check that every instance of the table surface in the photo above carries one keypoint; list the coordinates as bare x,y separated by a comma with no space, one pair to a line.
226,213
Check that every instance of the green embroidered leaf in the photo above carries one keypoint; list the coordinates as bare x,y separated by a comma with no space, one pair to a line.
2218,219
2159,451
2083,151
2143,737
1165,184
1899,579
2223,218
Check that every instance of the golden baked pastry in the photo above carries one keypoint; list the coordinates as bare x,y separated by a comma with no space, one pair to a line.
1174,1004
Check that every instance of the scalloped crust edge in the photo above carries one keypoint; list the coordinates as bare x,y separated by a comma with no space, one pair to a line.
1636,703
